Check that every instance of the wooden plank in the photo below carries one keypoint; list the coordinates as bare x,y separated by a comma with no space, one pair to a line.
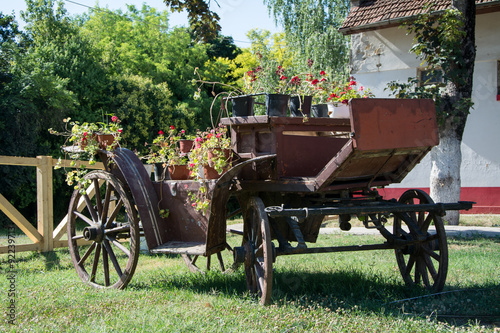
67,164
21,248
15,216
45,203
17,160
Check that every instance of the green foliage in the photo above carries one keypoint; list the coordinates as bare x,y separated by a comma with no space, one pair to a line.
203,22
311,32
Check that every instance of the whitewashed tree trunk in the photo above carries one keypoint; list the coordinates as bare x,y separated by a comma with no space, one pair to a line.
446,159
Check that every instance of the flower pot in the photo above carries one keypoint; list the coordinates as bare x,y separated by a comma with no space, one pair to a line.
276,105
106,140
185,146
178,172
319,110
300,106
242,106
211,173
338,110
217,153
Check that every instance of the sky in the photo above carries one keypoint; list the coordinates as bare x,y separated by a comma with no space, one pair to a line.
237,17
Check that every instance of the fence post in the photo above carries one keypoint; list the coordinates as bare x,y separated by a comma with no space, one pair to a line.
45,203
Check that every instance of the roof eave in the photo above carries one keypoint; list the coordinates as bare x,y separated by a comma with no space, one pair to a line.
482,8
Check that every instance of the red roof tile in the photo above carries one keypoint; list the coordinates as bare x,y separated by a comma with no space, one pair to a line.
370,13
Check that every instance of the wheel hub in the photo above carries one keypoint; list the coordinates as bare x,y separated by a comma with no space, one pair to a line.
93,233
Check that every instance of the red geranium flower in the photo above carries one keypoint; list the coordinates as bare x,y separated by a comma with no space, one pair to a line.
172,127
314,82
160,132
114,119
322,73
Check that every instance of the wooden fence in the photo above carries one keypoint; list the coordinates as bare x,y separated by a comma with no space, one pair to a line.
44,237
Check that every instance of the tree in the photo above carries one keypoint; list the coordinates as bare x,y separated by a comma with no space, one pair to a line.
311,31
203,22
446,42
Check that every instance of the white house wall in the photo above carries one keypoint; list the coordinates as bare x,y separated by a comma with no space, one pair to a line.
381,56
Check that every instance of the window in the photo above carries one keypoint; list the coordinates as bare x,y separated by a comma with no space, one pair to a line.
427,77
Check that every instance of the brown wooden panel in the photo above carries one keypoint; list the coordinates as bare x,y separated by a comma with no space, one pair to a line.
393,123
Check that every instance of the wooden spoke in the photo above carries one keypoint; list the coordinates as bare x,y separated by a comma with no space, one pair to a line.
87,253
84,218
105,265
95,263
107,199
90,208
425,260
112,257
120,246
98,219
259,250
98,199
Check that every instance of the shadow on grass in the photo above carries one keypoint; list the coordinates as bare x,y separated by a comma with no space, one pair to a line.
346,290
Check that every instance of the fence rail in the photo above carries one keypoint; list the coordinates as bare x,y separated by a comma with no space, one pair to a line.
44,236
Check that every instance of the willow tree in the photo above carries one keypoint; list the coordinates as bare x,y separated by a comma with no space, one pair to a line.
311,30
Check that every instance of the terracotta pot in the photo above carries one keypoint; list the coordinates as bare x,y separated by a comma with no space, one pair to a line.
185,146
210,173
227,155
105,140
178,172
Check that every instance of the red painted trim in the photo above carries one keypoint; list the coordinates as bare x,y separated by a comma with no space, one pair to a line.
487,198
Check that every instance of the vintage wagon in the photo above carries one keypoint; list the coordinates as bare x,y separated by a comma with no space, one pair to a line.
289,175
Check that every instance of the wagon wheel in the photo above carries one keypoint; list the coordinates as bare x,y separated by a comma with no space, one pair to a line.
425,261
258,250
106,220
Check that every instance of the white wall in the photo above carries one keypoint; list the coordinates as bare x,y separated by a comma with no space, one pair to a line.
381,56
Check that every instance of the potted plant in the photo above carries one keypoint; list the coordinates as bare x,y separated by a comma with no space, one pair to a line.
342,93
210,157
82,143
167,153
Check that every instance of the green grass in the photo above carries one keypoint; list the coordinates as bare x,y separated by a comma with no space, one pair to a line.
339,292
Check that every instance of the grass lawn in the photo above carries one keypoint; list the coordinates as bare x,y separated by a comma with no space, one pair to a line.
338,292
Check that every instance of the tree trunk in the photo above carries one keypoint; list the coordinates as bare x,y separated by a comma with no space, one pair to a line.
446,159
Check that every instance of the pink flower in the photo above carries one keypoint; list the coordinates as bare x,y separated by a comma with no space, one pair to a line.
193,204
198,139
209,135
352,83
160,132
361,88
218,135
85,134
192,165
120,130
114,119
183,131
